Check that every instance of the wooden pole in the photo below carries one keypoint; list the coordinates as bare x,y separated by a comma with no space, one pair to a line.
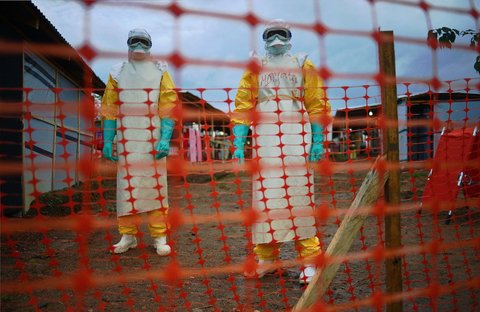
213,146
342,241
393,266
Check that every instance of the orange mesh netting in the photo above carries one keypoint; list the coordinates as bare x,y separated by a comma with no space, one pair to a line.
59,196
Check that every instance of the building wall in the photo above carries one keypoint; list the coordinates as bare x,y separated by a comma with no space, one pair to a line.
420,142
416,142
55,134
11,200
32,134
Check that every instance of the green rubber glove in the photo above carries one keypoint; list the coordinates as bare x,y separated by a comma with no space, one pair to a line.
240,132
316,152
163,146
109,131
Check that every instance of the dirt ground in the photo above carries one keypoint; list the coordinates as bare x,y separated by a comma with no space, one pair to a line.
211,253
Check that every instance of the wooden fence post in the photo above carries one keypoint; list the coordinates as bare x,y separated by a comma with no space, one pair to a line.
343,239
393,266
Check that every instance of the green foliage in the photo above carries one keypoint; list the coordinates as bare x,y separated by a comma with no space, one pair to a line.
444,37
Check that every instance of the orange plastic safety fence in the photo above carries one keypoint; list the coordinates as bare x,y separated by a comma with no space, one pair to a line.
59,196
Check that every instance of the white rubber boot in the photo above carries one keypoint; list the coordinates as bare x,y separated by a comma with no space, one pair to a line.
262,269
126,242
160,244
307,274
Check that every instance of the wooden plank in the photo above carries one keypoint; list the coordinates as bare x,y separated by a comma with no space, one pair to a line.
342,241
393,266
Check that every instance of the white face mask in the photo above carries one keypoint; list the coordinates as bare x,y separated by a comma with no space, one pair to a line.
277,49
138,51
277,45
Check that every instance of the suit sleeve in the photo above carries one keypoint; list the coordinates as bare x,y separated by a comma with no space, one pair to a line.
109,108
246,98
168,98
316,101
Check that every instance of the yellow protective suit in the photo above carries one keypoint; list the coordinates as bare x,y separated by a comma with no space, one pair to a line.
137,96
281,100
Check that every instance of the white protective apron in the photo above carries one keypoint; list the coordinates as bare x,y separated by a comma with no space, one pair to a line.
142,184
283,188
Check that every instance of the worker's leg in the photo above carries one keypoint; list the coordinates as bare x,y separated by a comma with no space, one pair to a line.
308,248
128,228
157,226
266,254
267,251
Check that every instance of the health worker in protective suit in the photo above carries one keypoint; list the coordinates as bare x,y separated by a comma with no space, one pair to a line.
137,108
283,102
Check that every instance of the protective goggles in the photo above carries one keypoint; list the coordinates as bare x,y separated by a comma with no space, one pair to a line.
134,40
284,34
